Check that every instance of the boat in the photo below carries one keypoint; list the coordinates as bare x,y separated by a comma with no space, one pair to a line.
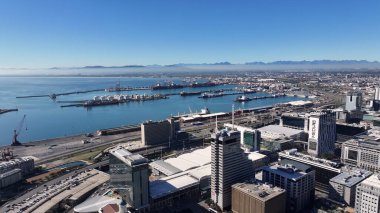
92,103
243,98
211,95
183,93
206,84
170,85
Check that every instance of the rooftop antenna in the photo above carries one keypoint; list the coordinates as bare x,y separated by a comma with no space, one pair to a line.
233,116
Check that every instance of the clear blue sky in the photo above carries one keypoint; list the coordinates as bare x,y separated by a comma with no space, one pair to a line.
36,33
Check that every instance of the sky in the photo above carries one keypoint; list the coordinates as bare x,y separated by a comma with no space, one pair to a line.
71,33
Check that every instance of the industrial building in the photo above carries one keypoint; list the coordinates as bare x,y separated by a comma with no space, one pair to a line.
362,153
258,198
159,132
343,187
322,133
368,195
14,170
129,175
297,179
229,165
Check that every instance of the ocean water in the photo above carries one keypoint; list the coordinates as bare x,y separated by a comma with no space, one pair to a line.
46,119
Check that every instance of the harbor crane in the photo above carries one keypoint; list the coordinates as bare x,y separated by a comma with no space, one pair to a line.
17,132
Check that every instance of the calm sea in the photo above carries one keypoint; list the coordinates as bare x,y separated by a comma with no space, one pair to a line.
46,119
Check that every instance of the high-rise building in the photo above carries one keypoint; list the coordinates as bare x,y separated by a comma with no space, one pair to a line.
158,132
297,179
129,175
229,165
368,195
322,133
353,101
377,93
362,153
258,198
249,138
342,188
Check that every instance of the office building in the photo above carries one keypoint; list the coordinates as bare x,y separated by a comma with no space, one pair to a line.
322,133
297,179
353,101
158,132
377,93
362,153
129,175
342,188
258,198
250,138
368,195
293,120
229,165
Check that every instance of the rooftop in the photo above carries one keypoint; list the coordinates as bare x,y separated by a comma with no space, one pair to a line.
285,131
93,204
289,169
127,157
351,178
373,180
262,192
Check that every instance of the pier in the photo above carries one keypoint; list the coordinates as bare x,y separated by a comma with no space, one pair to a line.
2,111
53,95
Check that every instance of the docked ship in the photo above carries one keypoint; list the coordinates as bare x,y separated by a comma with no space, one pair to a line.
206,84
211,95
170,85
243,98
183,93
92,103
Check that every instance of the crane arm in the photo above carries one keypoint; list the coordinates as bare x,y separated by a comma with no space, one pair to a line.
20,125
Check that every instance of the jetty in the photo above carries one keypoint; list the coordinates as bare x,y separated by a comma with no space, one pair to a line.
54,95
2,111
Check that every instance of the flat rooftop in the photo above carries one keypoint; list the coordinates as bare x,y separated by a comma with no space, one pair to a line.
285,131
289,169
351,178
373,180
262,192
127,157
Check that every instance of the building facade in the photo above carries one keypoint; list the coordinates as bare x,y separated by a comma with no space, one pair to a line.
129,175
353,101
297,179
258,198
322,133
159,132
342,188
368,195
229,165
362,153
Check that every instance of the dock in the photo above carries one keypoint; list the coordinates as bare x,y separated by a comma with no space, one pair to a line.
2,111
60,94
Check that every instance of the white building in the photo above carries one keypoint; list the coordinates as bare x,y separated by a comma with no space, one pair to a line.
368,195
322,133
273,132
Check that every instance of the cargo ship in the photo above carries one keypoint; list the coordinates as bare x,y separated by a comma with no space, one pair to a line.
211,95
170,85
206,84
92,103
183,93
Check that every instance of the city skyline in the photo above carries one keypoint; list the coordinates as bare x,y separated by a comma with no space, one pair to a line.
74,34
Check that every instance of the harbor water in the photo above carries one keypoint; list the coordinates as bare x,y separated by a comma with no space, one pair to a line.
46,119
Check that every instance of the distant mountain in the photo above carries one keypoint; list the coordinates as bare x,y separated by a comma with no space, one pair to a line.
98,66
315,62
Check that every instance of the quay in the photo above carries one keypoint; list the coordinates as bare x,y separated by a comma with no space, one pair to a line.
2,111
